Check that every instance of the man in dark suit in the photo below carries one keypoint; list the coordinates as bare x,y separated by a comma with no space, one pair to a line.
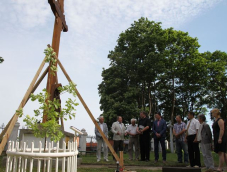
143,129
159,130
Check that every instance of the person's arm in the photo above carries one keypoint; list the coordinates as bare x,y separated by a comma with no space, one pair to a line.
221,126
147,125
174,131
106,133
186,134
137,129
153,128
97,132
113,129
146,128
197,129
208,131
183,131
125,129
164,128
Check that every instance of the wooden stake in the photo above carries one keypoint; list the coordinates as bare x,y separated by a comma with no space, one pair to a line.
121,160
23,102
91,116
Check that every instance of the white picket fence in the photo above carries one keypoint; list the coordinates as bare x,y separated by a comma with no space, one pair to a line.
20,158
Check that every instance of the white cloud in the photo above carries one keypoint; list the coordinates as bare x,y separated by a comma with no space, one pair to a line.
24,13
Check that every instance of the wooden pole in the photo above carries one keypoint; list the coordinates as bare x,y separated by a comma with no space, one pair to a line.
91,116
23,102
122,160
52,79
5,129
39,81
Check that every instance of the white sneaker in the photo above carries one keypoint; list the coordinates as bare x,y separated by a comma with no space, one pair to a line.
106,160
196,166
98,160
188,166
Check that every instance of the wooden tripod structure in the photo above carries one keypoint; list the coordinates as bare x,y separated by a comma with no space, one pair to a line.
52,81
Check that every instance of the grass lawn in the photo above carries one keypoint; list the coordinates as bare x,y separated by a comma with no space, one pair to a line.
109,170
171,161
102,166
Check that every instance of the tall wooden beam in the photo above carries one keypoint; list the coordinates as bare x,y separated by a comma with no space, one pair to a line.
92,117
57,7
23,102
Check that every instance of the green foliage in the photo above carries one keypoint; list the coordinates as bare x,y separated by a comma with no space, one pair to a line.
1,60
50,57
50,109
217,84
50,128
156,69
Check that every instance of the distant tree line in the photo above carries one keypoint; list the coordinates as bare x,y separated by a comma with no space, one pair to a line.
155,69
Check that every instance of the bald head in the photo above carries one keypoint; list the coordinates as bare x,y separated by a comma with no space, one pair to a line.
178,118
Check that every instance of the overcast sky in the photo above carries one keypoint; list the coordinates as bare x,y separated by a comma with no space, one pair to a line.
94,26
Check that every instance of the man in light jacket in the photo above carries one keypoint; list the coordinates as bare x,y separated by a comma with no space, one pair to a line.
205,144
100,140
119,130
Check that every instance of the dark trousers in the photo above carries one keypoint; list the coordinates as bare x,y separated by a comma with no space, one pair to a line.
118,146
193,150
160,140
145,147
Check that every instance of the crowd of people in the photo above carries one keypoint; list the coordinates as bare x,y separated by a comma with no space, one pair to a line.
187,138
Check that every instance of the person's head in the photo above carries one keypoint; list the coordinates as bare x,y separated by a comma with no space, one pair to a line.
191,115
143,114
201,118
101,119
119,119
216,113
178,118
133,121
158,115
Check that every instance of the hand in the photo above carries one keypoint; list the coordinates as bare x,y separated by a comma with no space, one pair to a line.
177,136
219,141
126,134
118,133
158,135
185,140
195,140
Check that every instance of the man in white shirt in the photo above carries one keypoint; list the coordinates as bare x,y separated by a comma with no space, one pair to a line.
192,128
133,140
100,140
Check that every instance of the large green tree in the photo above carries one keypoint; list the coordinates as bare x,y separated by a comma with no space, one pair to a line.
181,90
129,85
217,84
156,69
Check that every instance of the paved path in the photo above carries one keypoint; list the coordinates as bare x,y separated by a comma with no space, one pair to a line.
126,167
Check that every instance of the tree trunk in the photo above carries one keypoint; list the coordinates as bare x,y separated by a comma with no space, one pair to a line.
173,101
173,105
150,100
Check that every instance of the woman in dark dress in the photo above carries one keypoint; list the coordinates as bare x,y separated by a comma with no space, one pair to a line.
219,138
